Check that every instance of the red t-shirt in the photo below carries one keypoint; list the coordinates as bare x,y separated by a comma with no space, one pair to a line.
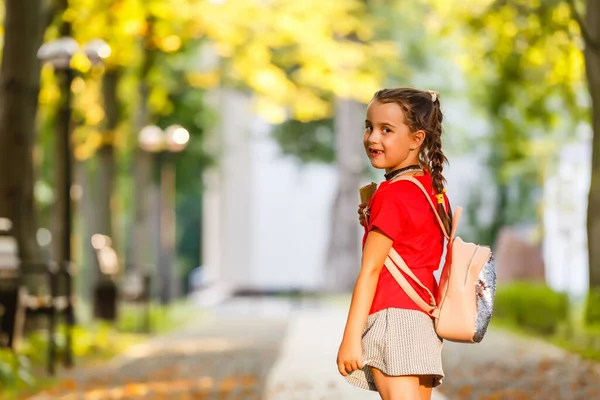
401,211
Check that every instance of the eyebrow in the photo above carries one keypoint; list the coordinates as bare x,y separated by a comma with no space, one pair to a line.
383,123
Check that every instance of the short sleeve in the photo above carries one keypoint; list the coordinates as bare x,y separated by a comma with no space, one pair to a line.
387,213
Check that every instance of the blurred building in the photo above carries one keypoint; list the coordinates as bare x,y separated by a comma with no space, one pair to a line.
266,217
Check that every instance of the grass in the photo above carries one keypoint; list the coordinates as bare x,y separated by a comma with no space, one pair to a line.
572,335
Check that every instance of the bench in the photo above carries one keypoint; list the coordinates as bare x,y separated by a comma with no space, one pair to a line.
50,304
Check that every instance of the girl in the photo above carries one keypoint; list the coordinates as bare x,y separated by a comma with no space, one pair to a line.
389,344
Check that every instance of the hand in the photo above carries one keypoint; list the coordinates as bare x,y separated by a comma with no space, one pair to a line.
361,215
349,357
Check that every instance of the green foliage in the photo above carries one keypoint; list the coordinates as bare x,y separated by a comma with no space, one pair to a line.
14,370
23,371
525,74
308,141
531,306
189,251
163,319
584,341
95,341
398,23
592,307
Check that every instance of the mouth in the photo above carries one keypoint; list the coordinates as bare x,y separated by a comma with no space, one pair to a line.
375,152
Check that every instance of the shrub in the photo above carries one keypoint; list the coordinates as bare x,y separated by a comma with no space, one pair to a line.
531,306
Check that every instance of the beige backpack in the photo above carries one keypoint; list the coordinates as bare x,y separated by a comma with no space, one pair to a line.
464,305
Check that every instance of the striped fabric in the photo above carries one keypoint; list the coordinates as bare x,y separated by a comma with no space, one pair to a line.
399,342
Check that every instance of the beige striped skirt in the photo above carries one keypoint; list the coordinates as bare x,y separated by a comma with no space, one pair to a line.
399,342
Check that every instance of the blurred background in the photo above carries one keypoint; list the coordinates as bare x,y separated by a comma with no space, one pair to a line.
159,158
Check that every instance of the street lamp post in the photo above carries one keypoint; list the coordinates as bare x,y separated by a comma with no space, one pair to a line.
59,53
173,139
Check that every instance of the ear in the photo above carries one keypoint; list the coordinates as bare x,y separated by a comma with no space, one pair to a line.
417,139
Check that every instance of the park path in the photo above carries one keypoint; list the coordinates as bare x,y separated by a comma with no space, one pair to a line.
510,366
215,357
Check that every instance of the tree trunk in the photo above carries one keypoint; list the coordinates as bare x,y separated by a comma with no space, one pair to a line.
106,155
592,59
143,250
19,87
343,257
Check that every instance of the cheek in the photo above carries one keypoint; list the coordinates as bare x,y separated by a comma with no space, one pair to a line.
399,147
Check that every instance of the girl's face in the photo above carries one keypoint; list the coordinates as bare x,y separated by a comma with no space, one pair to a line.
389,142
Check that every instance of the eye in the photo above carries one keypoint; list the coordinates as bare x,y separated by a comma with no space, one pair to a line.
386,130
368,128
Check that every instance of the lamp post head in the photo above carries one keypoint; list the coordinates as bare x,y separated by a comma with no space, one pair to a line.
97,51
152,139
177,138
58,52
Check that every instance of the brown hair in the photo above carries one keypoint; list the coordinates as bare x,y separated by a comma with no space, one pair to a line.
422,112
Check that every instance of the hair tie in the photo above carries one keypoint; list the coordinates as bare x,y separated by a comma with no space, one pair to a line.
434,95
440,198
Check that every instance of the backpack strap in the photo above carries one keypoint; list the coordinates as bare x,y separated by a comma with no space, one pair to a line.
394,262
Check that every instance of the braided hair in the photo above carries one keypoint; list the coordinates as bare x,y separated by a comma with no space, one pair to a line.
422,112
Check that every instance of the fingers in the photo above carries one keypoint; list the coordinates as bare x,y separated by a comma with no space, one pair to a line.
342,368
361,213
347,367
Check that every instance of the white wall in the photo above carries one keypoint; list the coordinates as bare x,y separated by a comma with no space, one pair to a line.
266,218
227,208
291,210
565,213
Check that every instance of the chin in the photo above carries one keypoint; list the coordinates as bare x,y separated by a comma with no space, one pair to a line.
378,164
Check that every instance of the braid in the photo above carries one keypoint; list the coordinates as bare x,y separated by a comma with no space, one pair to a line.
437,159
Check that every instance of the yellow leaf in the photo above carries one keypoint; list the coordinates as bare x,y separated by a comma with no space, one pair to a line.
204,79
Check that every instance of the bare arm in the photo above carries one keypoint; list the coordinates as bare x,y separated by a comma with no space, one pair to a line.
375,251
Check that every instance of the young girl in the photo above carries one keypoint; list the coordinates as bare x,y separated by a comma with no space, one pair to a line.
389,344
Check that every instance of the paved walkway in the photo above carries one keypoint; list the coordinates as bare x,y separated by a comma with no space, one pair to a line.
306,369
272,350
509,366
225,356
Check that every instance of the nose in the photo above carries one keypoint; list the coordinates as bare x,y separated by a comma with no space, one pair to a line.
373,137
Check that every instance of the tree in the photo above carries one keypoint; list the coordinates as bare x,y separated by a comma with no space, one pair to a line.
590,29
19,86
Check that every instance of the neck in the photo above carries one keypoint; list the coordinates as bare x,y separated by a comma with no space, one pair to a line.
401,171
402,166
